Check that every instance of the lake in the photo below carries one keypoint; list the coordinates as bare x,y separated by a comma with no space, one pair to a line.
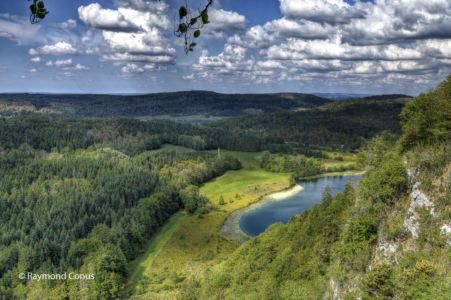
259,219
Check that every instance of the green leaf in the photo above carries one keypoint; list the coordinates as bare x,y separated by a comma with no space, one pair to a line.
205,18
183,12
41,5
196,33
183,28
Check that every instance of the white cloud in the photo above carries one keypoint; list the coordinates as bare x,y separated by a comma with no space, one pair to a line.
36,59
302,29
389,21
96,16
189,77
66,65
222,20
17,29
321,11
69,24
133,36
119,58
60,48
144,5
59,63
360,43
132,68
142,43
77,67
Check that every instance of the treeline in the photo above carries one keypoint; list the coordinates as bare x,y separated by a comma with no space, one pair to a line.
127,135
299,165
89,210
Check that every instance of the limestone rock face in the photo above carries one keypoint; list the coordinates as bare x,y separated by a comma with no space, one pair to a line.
417,200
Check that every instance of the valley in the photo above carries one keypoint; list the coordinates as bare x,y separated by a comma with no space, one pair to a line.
143,202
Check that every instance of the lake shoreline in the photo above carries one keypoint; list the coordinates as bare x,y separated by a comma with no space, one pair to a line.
231,229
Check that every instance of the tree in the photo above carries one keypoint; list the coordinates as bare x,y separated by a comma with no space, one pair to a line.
192,199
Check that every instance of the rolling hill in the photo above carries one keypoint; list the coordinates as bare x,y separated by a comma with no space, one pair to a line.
177,103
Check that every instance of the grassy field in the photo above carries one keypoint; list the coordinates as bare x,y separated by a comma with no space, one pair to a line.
195,243
339,160
140,267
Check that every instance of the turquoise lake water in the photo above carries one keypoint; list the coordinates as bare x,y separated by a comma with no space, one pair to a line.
258,220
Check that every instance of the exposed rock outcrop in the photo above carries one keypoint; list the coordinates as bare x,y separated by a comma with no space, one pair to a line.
417,200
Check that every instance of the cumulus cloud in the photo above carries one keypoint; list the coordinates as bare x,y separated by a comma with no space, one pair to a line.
149,43
144,5
321,11
108,19
390,21
60,48
223,22
133,36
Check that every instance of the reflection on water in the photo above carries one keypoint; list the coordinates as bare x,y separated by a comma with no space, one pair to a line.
258,220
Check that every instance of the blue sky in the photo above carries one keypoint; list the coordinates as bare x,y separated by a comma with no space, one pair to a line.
128,46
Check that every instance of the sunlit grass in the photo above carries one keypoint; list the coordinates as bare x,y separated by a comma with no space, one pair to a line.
196,243
140,267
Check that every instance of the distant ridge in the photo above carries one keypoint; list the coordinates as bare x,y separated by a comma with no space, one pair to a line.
388,97
348,96
341,96
173,103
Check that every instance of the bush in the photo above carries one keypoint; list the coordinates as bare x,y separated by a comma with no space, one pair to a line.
387,182
379,282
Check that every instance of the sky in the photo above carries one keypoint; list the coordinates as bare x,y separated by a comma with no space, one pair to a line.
255,46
